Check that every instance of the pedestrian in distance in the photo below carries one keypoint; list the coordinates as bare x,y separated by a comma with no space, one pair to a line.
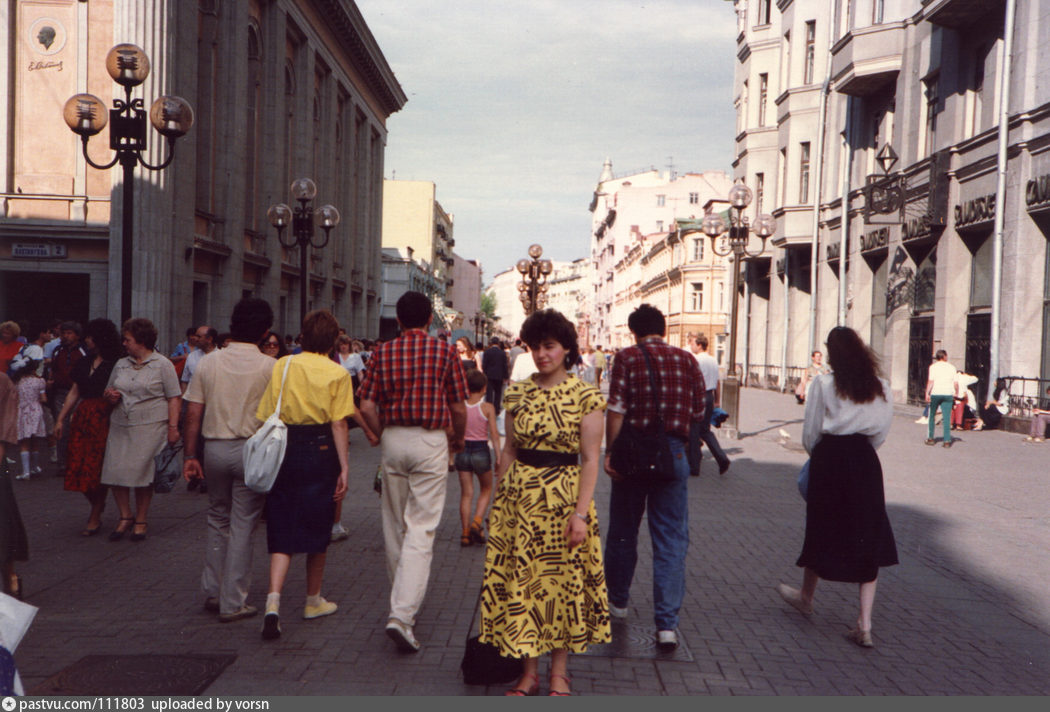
544,590
476,460
848,534
942,388
1040,421
414,392
14,545
679,400
495,365
222,400
712,399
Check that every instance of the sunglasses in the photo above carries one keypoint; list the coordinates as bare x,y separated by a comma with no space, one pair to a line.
272,344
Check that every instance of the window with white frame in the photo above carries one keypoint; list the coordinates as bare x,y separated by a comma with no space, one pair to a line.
694,198
811,51
661,201
803,173
760,191
763,97
698,249
765,10
659,225
697,294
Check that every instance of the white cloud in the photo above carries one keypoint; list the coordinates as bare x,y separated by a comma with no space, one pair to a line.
513,107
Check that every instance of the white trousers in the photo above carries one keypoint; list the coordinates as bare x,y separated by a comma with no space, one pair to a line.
415,475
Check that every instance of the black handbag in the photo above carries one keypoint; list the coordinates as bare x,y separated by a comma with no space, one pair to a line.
483,665
644,455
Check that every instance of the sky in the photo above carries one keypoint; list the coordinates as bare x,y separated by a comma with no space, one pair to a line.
513,106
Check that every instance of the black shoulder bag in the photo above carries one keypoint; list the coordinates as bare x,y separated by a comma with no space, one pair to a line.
644,455
483,665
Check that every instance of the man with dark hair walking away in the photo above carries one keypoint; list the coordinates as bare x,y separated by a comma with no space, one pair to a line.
494,366
230,382
712,399
679,400
414,389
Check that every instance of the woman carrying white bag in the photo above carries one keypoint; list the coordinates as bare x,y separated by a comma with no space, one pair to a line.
316,398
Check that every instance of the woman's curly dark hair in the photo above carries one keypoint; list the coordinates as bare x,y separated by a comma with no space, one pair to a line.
551,324
854,366
106,338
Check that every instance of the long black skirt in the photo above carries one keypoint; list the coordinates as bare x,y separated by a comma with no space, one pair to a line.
299,508
848,534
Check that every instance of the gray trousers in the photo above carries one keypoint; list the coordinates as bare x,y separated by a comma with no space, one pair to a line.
233,511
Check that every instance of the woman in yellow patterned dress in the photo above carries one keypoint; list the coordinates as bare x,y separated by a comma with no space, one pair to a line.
544,587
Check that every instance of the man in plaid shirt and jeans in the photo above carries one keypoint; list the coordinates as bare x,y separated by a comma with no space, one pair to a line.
680,401
414,390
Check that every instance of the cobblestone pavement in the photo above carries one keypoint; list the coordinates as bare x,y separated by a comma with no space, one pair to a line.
966,612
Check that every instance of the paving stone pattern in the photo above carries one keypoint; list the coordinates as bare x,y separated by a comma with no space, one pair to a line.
966,612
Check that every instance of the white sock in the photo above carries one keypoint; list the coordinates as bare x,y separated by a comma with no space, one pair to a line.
273,602
25,462
314,601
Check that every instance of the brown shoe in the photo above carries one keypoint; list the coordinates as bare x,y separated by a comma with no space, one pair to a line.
860,637
794,597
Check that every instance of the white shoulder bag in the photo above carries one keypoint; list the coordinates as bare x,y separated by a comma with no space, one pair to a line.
264,451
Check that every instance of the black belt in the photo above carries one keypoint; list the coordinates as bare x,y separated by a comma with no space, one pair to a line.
546,458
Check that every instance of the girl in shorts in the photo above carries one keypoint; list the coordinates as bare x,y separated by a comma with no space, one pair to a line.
475,459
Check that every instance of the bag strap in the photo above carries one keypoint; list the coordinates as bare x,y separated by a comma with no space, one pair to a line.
280,393
652,385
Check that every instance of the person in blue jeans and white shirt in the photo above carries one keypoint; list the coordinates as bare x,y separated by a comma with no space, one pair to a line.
680,400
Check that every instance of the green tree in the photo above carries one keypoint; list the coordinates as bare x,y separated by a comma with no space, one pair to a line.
488,305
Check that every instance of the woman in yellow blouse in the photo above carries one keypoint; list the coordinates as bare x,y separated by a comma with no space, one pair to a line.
300,508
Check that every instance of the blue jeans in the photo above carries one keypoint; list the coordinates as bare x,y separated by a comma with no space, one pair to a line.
668,511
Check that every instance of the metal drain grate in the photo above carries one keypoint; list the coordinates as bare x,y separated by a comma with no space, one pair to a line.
637,641
136,675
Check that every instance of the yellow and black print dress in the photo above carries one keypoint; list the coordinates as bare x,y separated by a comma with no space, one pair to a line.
539,596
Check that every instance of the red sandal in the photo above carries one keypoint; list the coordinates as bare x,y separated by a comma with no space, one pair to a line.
556,693
531,691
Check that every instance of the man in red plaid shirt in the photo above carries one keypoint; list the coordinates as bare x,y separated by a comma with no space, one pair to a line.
680,400
414,391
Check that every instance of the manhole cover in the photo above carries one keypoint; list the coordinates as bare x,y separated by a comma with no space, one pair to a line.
136,675
637,641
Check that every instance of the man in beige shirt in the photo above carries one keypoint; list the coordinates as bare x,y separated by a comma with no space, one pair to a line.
230,382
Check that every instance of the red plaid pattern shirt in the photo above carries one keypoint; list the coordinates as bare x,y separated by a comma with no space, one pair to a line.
678,379
412,380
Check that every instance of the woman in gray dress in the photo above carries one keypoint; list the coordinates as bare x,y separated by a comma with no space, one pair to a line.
147,398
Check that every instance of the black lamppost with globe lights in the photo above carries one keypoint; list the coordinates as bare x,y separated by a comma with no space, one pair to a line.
733,239
86,115
532,290
302,219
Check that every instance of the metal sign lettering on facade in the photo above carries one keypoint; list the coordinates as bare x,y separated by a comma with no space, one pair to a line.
975,211
875,239
1037,192
38,251
917,228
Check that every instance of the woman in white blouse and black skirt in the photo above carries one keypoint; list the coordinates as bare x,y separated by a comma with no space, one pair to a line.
848,534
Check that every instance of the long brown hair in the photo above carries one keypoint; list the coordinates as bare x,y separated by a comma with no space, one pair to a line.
854,366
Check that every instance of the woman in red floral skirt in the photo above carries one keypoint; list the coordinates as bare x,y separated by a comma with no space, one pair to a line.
90,424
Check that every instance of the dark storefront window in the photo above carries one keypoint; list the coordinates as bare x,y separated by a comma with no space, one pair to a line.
925,283
981,275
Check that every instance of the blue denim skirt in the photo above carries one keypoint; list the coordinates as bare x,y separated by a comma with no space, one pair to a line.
300,510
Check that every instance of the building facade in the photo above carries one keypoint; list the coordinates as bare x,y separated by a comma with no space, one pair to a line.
875,126
281,90
415,224
639,255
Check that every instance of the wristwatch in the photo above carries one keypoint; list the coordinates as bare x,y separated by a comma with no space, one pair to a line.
581,516
189,457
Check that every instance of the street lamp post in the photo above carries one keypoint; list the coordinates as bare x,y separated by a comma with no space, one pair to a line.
532,291
86,115
302,220
733,239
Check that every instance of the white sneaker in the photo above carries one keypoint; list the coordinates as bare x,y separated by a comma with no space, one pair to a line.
922,420
339,532
402,636
667,639
617,612
23,476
